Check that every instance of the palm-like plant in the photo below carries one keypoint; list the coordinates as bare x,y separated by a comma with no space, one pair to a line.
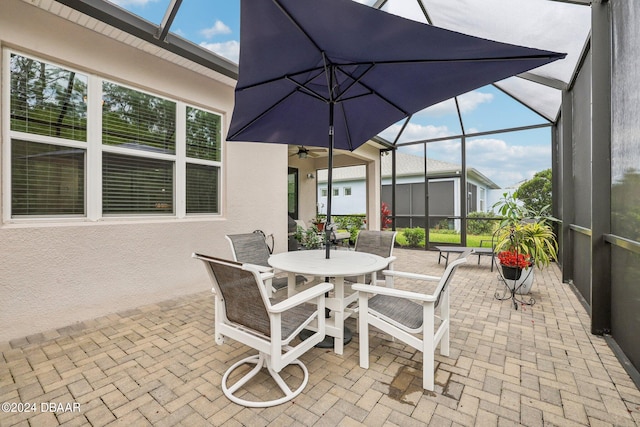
534,239
525,232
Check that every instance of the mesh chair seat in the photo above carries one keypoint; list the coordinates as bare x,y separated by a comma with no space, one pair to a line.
401,311
282,282
292,320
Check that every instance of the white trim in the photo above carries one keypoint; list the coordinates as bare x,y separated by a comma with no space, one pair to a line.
93,162
5,137
180,168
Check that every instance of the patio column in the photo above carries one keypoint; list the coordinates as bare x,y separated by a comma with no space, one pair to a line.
567,205
600,167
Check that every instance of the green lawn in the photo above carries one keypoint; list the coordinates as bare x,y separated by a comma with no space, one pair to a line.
449,238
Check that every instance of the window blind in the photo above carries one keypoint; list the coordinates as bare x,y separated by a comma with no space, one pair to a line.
202,188
136,185
46,179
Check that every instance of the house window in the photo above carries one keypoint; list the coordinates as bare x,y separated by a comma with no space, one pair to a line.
336,191
324,192
48,127
139,161
346,191
137,120
203,158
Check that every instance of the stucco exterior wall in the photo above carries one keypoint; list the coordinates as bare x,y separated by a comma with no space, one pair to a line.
54,273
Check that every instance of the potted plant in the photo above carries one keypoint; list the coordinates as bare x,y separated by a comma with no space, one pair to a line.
318,223
309,238
319,220
524,240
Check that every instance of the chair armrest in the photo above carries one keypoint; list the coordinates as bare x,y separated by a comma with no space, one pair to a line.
302,297
413,276
392,292
390,260
262,268
266,276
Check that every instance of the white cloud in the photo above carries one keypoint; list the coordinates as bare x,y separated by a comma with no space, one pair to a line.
471,100
230,49
507,164
218,27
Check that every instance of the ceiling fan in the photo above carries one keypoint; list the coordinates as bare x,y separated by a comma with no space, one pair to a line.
303,152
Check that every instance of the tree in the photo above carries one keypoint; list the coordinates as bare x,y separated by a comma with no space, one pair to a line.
536,192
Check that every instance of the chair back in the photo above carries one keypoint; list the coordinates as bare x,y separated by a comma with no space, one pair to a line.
376,242
240,293
249,248
447,276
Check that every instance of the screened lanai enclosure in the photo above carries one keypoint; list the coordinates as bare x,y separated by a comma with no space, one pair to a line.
446,166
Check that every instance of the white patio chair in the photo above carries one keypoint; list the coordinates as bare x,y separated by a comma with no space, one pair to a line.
378,243
408,316
250,248
244,312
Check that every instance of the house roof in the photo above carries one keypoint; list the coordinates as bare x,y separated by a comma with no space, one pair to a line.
407,165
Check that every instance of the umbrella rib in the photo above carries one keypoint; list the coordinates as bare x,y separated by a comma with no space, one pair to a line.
347,132
488,59
354,80
275,79
262,114
303,88
294,22
358,80
373,92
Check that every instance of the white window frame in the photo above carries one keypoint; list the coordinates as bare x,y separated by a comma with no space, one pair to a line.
94,149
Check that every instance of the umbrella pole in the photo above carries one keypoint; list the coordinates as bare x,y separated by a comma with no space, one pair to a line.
327,228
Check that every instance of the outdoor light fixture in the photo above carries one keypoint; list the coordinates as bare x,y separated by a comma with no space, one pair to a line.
310,176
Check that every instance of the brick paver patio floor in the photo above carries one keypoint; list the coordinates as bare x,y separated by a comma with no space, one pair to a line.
159,365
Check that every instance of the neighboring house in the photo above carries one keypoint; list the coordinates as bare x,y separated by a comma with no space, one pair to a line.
349,191
444,180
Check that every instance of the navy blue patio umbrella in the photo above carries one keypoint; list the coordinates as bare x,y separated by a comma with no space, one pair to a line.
335,73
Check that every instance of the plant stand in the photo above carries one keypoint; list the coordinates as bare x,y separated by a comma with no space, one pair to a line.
517,282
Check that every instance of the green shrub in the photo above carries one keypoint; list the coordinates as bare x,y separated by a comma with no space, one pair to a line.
443,224
352,223
414,236
481,226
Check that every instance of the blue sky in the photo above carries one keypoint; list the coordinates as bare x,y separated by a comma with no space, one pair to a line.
506,158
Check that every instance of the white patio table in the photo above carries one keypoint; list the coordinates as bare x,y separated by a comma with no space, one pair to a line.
337,267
